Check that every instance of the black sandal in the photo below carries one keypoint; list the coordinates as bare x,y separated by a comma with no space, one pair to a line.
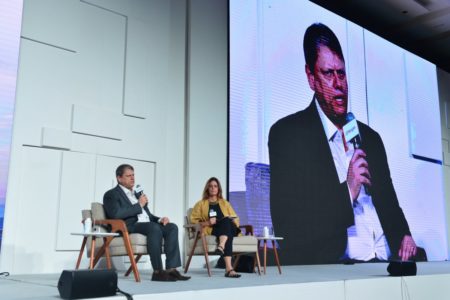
219,251
232,275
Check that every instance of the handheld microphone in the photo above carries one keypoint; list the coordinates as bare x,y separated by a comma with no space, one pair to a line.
351,134
138,191
351,131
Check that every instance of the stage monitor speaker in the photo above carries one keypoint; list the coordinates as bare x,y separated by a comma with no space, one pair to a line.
402,268
78,284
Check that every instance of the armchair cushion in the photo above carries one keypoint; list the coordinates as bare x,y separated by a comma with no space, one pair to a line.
98,212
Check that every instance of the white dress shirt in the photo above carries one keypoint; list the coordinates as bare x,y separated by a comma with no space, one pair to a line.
142,217
365,239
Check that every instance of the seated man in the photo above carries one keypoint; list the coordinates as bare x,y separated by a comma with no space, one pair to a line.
121,202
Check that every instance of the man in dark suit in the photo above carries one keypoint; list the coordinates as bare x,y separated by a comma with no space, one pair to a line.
331,201
123,203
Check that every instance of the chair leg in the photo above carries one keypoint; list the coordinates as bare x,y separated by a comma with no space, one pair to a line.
186,268
258,262
126,241
277,260
102,250
83,244
138,257
108,258
205,250
91,260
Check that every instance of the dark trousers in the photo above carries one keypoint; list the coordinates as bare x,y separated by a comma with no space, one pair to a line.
156,233
226,227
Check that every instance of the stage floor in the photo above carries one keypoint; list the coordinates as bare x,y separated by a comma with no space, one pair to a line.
319,278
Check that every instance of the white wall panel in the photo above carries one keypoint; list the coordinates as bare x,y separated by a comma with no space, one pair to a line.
208,61
172,191
45,90
36,227
56,138
53,22
97,121
76,193
137,9
138,69
101,52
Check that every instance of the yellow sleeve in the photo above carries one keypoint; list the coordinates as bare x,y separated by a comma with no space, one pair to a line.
196,215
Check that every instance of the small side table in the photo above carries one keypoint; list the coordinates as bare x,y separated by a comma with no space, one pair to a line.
94,236
272,239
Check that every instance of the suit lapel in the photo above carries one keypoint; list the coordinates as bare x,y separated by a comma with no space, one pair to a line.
319,142
123,195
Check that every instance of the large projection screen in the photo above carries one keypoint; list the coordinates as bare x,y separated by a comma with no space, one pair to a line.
10,24
391,90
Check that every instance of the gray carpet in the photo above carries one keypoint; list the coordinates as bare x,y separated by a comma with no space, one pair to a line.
44,286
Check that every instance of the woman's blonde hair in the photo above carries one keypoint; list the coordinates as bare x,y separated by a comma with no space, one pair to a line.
206,189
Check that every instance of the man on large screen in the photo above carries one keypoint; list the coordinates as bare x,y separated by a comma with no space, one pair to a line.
331,201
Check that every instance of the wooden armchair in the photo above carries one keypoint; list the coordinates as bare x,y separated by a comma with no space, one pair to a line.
132,245
208,243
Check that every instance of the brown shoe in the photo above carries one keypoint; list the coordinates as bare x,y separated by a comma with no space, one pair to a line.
174,273
162,276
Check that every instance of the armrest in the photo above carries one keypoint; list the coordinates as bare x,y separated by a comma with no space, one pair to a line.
116,225
197,228
192,230
248,229
193,226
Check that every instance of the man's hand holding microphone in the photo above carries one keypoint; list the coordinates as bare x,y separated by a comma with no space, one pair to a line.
358,171
139,193
143,201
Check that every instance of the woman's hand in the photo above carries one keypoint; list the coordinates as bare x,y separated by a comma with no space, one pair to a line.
212,221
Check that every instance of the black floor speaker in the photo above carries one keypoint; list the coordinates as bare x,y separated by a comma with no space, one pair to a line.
402,268
78,284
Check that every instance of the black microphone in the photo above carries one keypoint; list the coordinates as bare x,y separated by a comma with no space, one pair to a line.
138,191
351,134
351,131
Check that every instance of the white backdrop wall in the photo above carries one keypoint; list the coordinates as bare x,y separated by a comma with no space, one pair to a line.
105,82
444,101
207,97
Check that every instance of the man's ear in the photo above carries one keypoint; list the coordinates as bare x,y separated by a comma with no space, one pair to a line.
310,77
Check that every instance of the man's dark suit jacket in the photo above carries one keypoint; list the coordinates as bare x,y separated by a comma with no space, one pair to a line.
309,207
118,206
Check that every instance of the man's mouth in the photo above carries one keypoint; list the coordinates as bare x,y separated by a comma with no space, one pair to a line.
340,99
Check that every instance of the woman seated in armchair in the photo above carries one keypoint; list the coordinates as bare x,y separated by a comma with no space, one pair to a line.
221,220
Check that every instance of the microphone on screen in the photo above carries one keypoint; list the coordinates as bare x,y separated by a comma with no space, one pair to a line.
351,134
351,131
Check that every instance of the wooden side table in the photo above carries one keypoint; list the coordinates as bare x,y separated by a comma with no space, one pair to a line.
94,236
272,239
